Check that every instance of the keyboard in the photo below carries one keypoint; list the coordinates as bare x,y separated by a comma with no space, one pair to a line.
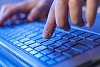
60,47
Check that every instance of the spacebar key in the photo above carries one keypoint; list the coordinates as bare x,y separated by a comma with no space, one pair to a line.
88,43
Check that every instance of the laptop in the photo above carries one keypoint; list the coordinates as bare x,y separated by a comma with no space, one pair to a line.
23,46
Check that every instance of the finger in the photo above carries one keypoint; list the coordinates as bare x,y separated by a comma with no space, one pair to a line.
61,14
43,16
37,11
3,9
91,11
50,24
75,8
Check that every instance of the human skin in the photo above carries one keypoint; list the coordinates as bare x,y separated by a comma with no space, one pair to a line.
58,13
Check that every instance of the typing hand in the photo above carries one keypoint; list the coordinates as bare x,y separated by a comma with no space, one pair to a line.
32,8
58,15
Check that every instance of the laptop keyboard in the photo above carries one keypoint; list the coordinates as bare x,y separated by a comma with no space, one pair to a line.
60,47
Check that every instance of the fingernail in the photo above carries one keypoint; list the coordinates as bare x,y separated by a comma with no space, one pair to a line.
45,34
89,25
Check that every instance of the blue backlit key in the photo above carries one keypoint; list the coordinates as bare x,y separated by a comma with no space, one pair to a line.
54,55
51,62
94,37
38,55
47,51
44,58
70,53
81,48
39,48
61,49
88,43
34,45
98,40
33,52
85,35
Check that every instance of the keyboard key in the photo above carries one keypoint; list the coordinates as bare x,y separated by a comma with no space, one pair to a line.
51,62
55,45
85,35
24,40
61,34
20,44
35,45
68,36
39,48
81,48
12,40
49,42
70,44
28,49
44,59
24,47
94,37
36,29
77,33
29,42
38,55
27,33
17,35
75,39
41,40
61,49
19,38
55,39
32,35
98,40
33,52
47,51
54,55
57,32
70,53
16,42
88,43
61,58
62,41
37,37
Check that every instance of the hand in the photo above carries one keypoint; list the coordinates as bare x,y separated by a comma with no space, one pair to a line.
32,8
58,15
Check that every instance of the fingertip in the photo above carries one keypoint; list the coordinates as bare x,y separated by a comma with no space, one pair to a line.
30,18
46,34
89,25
